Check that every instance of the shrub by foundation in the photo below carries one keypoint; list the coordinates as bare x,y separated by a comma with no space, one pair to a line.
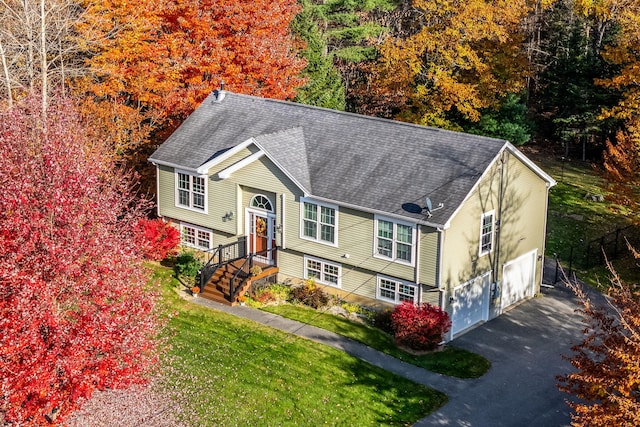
309,294
419,327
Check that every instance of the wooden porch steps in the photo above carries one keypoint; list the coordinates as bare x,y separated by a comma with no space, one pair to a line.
218,287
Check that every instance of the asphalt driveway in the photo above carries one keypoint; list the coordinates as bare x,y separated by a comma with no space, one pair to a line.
524,346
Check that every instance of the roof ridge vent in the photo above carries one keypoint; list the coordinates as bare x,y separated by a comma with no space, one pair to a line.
219,93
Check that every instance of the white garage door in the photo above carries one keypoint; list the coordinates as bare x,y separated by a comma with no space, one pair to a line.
470,303
518,277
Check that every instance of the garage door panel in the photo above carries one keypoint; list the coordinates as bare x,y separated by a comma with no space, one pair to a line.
518,279
470,303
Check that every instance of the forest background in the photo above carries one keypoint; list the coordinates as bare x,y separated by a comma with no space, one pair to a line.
560,74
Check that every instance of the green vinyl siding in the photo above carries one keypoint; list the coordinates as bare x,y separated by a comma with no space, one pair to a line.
354,280
263,175
291,263
167,200
431,296
524,217
355,239
220,238
429,249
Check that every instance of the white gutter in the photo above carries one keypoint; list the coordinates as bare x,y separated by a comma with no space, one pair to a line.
204,168
417,263
174,165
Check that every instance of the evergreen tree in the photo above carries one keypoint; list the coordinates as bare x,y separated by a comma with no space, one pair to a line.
338,34
324,87
509,122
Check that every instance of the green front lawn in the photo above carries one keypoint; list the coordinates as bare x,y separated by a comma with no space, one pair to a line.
451,361
231,371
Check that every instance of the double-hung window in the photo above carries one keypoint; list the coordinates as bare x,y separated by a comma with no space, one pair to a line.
486,233
319,222
394,240
195,237
396,291
322,271
191,191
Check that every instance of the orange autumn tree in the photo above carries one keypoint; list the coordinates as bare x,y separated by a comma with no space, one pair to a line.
622,158
151,62
454,56
622,52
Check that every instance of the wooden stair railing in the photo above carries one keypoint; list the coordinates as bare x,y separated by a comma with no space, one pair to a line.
232,278
221,255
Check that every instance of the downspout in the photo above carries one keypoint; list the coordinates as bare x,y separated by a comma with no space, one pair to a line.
158,191
241,221
442,292
417,264
544,233
439,269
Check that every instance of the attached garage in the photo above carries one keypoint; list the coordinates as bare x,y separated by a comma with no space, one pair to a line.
518,278
470,303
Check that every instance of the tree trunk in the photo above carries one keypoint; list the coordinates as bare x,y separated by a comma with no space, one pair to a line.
7,75
43,57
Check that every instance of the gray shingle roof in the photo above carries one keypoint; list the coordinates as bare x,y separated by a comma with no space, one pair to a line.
377,164
289,151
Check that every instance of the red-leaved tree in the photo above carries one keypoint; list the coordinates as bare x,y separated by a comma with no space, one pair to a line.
76,312
606,380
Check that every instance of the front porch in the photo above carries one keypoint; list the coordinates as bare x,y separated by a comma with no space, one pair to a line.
230,272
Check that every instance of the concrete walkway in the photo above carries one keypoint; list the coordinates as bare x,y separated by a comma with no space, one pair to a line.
525,346
354,348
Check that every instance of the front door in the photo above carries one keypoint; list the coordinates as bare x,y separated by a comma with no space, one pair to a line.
262,235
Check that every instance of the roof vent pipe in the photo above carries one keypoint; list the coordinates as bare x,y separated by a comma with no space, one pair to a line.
219,93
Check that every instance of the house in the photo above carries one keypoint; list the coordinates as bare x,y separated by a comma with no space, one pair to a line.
378,211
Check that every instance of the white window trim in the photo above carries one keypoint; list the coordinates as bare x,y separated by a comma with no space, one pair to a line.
318,230
493,232
177,191
323,263
393,258
397,283
184,225
272,210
